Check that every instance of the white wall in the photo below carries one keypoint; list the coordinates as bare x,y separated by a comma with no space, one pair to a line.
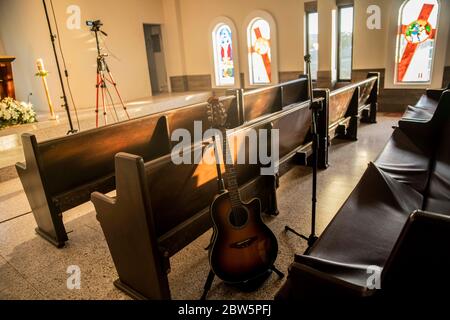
173,38
196,17
369,44
2,49
29,40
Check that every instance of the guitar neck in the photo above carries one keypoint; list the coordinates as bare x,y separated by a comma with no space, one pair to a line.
230,173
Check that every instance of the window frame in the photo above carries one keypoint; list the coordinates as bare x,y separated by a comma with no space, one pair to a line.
264,15
338,56
307,37
396,82
214,25
251,71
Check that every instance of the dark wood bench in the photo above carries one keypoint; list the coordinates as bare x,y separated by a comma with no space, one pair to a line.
161,207
60,174
350,103
339,117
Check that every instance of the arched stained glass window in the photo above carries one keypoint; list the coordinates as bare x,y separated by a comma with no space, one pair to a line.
416,41
260,58
223,55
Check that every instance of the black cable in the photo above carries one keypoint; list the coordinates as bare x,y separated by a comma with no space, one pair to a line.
103,39
64,64
112,103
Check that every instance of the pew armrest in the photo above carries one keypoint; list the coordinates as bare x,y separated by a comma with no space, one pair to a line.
21,166
311,277
100,199
435,94
420,258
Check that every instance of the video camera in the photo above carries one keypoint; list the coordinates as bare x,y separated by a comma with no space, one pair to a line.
94,24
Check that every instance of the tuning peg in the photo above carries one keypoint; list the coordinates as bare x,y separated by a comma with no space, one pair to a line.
210,119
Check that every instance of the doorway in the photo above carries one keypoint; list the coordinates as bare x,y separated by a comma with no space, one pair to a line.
155,57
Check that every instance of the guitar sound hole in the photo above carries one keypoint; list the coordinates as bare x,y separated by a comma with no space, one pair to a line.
238,217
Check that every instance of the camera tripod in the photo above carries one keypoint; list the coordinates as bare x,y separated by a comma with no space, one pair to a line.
104,76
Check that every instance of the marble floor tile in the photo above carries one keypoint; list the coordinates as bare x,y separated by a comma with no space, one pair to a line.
13,201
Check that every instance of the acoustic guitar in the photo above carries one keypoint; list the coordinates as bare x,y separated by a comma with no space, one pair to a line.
243,247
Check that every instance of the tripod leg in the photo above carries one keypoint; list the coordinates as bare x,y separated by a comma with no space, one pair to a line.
118,94
105,118
97,96
112,104
208,284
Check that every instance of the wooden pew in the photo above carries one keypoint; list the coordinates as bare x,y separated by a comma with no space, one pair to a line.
291,115
267,100
62,173
347,104
184,118
161,207
286,107
90,157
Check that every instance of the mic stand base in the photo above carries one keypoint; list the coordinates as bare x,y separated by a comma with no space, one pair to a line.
311,240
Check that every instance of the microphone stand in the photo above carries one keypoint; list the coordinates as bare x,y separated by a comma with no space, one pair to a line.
64,96
315,107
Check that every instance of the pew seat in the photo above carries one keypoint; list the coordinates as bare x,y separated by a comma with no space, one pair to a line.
426,106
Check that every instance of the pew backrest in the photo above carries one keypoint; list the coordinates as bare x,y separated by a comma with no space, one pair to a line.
438,197
185,118
272,99
76,160
341,99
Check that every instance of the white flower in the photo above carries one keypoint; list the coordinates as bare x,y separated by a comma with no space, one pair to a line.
7,114
14,112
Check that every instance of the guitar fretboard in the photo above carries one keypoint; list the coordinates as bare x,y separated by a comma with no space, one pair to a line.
230,173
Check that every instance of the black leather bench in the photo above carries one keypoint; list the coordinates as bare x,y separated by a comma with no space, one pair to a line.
395,222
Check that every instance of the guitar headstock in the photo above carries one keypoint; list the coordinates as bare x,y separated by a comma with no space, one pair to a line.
217,115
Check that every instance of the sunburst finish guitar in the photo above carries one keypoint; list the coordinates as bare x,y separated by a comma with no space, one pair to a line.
243,247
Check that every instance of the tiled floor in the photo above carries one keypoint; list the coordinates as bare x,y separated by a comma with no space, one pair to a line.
31,268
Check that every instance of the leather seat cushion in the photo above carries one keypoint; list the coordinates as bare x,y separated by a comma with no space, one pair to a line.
405,161
422,110
370,221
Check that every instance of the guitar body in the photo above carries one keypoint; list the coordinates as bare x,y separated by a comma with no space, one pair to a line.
243,246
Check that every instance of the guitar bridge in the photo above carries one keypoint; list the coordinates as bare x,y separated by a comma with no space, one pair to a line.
243,244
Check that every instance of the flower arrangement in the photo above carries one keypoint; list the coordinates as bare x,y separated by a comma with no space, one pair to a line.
13,112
